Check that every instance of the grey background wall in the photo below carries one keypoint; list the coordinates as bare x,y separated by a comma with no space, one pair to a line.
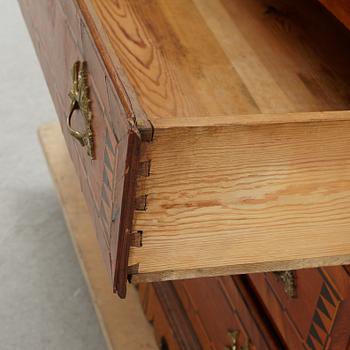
44,302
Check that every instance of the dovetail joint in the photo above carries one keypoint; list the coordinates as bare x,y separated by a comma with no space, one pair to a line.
132,270
136,239
144,168
141,203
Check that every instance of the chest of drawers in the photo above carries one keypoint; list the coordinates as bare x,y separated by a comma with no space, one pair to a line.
210,137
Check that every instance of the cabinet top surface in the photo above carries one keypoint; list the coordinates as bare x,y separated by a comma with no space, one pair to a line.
194,58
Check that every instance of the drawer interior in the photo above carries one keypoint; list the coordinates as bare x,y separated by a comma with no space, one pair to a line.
214,58
237,184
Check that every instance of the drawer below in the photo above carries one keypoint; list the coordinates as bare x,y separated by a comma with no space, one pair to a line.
340,9
317,315
224,313
172,327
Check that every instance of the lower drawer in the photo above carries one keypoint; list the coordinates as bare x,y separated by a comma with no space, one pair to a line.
310,307
224,314
163,309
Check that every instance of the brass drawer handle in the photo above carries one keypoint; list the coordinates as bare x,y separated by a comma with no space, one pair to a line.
288,279
234,335
79,96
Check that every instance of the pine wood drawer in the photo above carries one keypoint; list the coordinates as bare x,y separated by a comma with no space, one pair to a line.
317,317
221,131
218,307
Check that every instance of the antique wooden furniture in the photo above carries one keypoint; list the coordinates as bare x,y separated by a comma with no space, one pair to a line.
210,137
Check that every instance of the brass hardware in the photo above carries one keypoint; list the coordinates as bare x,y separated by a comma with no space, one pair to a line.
288,280
79,96
234,335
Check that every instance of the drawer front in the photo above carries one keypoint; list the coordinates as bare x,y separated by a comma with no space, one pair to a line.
317,316
162,307
224,313
61,38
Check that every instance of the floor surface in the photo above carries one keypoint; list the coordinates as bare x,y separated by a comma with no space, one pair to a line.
44,301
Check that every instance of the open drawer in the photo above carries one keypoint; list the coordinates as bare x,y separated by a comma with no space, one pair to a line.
220,131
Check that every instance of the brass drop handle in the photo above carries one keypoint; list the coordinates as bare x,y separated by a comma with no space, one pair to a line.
234,335
288,280
79,96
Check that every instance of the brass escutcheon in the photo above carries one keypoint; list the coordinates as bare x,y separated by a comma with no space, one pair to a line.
288,279
234,335
79,96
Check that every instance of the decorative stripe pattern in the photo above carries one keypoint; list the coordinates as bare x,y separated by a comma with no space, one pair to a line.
323,318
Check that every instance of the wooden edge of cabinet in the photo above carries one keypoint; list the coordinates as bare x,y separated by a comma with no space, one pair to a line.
240,269
160,123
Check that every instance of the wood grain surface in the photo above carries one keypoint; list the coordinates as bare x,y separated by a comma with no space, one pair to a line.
122,321
225,57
